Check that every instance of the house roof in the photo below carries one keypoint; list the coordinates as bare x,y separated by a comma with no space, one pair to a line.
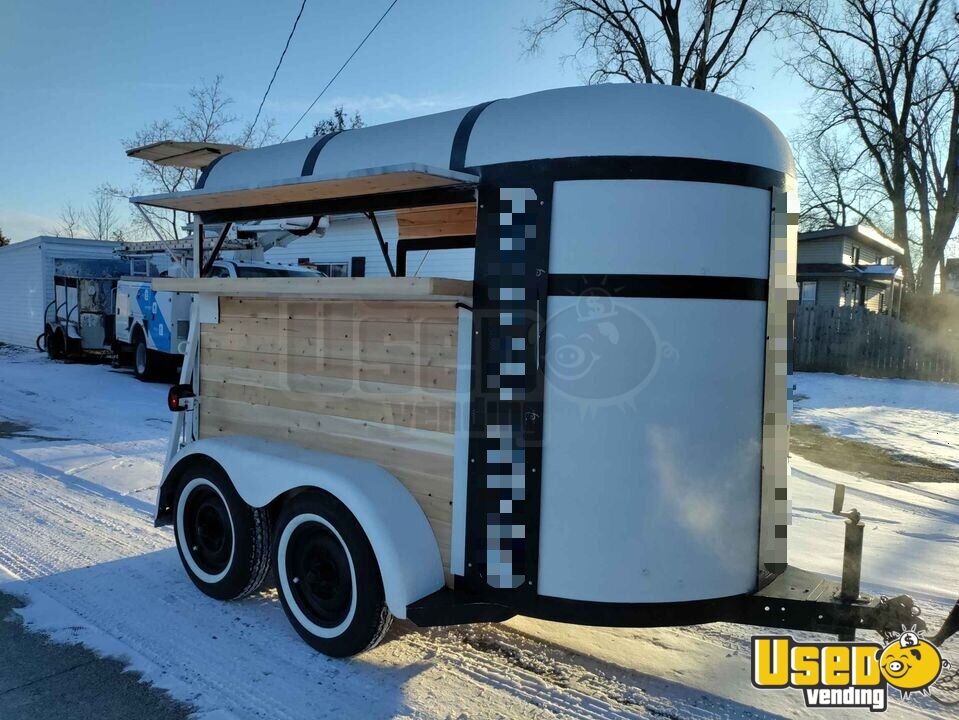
56,239
855,272
861,233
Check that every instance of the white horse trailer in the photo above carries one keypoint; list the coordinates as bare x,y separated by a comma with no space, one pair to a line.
594,430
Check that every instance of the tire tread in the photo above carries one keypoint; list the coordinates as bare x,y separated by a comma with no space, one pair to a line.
260,557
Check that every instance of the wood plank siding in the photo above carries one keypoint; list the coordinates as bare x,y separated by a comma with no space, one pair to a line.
372,379
445,221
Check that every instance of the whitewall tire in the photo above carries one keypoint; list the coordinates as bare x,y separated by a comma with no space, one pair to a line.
328,579
223,542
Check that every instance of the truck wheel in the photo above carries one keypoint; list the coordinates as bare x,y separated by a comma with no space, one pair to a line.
327,576
223,542
144,360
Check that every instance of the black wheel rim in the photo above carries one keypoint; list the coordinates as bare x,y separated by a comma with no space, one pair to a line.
207,529
318,571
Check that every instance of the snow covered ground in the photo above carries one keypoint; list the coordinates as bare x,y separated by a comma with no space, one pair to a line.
77,478
911,417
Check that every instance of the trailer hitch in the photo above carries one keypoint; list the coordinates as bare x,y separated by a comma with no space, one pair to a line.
852,547
892,615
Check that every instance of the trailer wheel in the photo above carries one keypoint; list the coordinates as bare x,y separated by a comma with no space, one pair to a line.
56,346
224,543
327,576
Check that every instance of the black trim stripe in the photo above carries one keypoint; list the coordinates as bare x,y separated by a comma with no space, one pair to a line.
206,172
462,137
628,167
694,287
309,165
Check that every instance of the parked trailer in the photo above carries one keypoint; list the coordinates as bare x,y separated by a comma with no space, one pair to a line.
26,282
595,430
79,321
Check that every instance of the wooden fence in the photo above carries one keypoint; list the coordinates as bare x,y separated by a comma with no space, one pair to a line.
858,342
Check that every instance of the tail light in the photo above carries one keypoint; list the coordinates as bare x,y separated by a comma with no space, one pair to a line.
180,398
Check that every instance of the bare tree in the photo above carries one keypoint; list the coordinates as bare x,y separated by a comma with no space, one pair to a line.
71,221
338,121
933,161
263,134
699,45
864,60
205,119
99,220
4,240
835,189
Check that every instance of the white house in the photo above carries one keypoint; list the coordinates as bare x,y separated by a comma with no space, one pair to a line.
349,248
345,246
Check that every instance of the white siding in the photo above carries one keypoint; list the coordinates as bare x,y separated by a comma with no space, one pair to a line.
872,298
22,293
353,237
344,239
457,264
821,251
829,292
867,255
26,282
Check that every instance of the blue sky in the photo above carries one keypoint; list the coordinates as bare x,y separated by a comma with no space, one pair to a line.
78,77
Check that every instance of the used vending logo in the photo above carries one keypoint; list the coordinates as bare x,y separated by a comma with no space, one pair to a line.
846,674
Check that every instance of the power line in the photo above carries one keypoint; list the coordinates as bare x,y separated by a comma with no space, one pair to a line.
275,71
342,67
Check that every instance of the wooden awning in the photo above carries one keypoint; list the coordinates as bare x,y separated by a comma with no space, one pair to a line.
177,153
312,188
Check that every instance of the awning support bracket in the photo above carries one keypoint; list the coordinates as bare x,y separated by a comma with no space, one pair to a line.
164,243
215,253
383,248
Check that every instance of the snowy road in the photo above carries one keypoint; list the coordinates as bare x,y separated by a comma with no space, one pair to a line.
77,477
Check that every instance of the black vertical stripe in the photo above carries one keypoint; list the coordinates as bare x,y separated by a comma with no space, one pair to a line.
206,172
309,165
461,139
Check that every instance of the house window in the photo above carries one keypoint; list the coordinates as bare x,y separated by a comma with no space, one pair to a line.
333,269
855,255
808,292
139,266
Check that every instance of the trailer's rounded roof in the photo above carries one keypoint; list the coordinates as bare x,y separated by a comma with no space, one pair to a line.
588,121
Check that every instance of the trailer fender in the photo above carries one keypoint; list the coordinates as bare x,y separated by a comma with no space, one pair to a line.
262,470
